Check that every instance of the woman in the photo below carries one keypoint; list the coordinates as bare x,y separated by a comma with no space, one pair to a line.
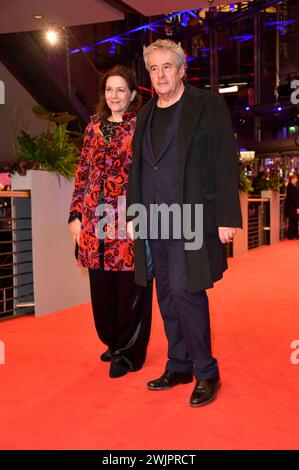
291,207
121,309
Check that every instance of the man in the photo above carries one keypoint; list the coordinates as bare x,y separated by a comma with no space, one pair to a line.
292,207
184,153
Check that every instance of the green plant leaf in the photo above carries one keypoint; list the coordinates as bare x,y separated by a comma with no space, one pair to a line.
52,150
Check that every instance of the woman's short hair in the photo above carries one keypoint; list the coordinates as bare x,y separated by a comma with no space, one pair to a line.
129,76
166,45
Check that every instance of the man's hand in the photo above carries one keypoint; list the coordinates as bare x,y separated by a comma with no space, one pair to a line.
298,211
75,228
226,234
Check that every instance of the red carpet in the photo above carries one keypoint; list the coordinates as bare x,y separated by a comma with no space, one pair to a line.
55,393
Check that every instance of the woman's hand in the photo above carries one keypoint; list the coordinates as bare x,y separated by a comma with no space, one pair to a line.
130,231
75,228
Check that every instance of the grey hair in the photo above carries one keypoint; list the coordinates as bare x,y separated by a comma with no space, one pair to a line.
166,45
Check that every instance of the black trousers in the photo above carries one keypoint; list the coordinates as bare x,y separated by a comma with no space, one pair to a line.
293,227
122,313
185,315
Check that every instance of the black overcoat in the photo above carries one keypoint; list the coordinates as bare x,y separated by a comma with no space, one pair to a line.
208,175
292,201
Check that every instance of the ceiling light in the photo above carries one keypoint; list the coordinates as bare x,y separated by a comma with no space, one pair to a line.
52,36
238,84
229,89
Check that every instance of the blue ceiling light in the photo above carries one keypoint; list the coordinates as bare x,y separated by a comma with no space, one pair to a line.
184,20
74,51
247,108
244,38
204,52
279,23
152,26
153,29
112,49
118,41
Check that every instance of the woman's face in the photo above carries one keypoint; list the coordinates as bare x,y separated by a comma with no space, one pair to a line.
117,94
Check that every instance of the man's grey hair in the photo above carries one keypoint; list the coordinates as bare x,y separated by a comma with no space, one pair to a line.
166,45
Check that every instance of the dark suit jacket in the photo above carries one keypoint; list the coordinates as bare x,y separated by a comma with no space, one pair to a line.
292,201
160,173
208,175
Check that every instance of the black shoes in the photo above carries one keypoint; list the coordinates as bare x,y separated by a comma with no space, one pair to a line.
170,379
204,391
119,367
107,356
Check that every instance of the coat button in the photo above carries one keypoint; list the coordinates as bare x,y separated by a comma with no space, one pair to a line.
155,168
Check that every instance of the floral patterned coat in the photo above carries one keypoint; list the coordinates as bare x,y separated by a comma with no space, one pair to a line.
103,171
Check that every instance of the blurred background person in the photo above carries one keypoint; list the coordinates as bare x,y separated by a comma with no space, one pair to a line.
292,207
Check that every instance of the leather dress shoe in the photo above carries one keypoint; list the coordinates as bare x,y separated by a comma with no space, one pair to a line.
118,367
204,391
107,356
170,379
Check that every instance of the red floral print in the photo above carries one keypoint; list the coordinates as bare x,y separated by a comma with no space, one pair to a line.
103,167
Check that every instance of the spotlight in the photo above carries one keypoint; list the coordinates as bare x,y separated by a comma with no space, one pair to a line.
52,37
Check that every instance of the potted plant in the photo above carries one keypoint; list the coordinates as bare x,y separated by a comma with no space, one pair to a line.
245,158
245,184
54,149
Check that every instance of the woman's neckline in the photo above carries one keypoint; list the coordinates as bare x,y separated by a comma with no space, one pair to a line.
114,122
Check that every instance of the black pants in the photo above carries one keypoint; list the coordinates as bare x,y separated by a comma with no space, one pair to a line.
293,227
122,313
185,315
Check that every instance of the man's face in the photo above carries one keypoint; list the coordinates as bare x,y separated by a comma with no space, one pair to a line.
165,76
